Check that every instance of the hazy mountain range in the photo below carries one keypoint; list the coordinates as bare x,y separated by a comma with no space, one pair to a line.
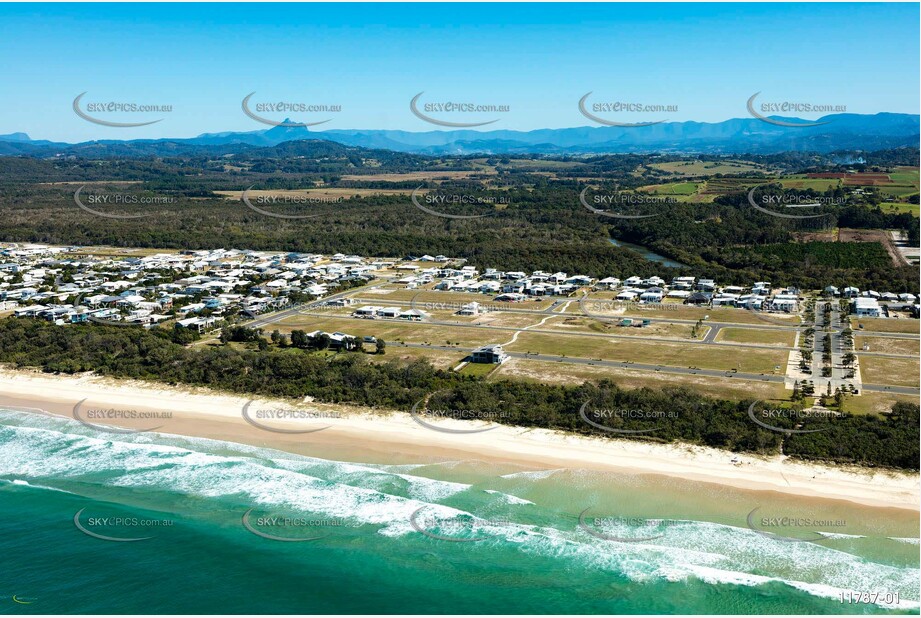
738,135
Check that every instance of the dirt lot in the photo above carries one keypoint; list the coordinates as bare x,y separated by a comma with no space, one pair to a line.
880,236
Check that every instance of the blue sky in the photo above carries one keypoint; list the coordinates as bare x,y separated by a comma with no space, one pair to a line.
371,59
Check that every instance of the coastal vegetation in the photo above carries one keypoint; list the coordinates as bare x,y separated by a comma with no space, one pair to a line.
249,364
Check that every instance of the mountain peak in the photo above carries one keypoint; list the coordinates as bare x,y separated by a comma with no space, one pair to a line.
15,137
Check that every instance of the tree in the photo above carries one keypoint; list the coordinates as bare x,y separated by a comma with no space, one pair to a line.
380,346
184,335
298,339
320,342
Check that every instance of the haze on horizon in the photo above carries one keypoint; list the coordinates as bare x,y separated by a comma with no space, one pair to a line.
372,59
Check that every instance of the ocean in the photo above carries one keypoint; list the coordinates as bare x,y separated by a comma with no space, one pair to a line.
105,523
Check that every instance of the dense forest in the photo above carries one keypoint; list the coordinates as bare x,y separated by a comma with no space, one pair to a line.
541,226
284,371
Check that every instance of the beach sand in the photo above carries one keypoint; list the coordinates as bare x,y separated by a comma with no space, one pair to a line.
354,434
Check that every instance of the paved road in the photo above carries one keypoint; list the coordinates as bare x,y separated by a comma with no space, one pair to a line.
715,325
715,373
307,313
277,316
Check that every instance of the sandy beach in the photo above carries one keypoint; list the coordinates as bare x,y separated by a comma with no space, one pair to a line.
355,434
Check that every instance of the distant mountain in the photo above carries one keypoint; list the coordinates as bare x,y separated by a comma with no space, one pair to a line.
841,132
738,135
15,137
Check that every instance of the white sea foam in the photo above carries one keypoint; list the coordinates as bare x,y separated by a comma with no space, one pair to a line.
839,535
534,475
22,483
904,539
510,499
364,494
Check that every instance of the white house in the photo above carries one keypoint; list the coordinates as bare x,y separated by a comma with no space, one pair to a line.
470,309
608,283
388,312
368,311
866,307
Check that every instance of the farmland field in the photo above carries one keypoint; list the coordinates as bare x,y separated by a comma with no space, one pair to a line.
414,176
701,168
324,193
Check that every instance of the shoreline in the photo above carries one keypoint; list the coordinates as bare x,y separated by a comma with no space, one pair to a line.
350,433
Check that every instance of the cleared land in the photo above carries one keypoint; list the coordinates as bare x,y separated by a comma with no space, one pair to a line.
328,193
439,358
680,191
119,251
654,353
888,345
874,403
563,373
702,168
436,297
885,325
656,329
890,371
675,311
390,330
412,176
757,336
896,186
816,184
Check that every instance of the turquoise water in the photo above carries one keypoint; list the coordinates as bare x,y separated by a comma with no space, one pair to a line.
493,539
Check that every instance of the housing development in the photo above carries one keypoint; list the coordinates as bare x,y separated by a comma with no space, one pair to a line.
764,336
435,309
